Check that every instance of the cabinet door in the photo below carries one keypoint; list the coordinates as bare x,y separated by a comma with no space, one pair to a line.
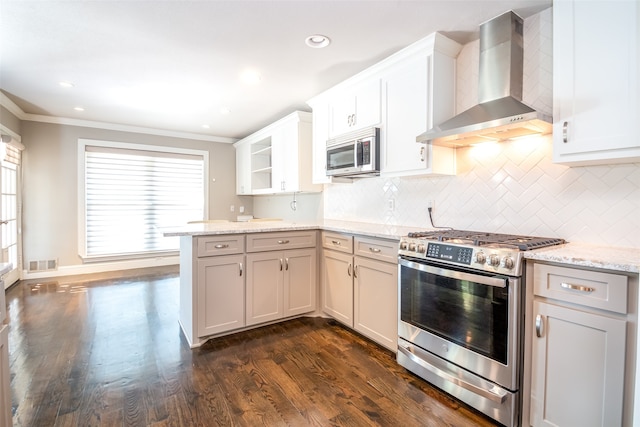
595,82
264,287
320,136
578,368
220,298
376,301
337,286
5,378
300,281
356,108
243,169
406,111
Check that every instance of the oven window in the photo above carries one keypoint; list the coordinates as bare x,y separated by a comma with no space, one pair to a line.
340,157
469,314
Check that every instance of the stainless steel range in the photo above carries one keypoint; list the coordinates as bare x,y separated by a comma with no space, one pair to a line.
462,315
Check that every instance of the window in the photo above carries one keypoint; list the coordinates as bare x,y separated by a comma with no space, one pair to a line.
131,192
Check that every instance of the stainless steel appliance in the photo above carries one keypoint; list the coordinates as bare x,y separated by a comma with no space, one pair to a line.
500,113
462,315
355,154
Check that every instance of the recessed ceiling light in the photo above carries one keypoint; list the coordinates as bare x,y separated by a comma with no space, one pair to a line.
250,77
317,41
78,108
65,84
205,126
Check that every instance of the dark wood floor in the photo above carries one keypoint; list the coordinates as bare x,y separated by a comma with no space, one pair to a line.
110,353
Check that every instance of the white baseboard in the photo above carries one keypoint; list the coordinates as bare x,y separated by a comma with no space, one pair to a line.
72,270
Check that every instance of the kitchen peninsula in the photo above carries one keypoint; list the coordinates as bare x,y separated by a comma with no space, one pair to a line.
238,275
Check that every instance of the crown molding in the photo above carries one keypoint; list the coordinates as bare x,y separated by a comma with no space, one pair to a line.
17,111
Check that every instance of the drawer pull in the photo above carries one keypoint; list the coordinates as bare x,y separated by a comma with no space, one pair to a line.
286,264
283,242
335,242
241,269
349,269
580,288
374,250
539,326
220,246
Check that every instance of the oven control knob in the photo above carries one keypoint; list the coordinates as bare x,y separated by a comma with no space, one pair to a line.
404,245
412,246
481,258
421,248
508,262
494,260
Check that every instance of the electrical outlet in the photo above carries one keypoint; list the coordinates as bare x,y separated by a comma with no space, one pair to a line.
232,208
392,204
241,209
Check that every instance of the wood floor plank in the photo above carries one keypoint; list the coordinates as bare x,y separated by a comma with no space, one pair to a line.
110,353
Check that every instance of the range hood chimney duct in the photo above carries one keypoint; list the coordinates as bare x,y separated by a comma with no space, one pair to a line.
500,114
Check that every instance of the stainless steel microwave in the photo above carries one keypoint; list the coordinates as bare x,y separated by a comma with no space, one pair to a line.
355,154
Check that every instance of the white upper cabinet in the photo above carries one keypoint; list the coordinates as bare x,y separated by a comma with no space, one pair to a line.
277,158
356,108
419,92
595,82
405,95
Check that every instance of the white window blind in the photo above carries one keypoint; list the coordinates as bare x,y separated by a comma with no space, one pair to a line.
130,195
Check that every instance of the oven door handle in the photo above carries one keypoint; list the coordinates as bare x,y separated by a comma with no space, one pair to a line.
497,281
496,393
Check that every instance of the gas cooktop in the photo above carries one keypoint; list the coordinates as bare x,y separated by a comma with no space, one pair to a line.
495,252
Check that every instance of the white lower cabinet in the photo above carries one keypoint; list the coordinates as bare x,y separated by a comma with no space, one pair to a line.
280,284
5,379
360,285
578,362
579,359
225,288
220,294
375,301
337,286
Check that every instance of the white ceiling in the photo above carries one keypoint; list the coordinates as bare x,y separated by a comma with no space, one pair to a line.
172,65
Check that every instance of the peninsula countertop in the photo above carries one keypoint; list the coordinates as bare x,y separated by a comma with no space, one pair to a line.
575,254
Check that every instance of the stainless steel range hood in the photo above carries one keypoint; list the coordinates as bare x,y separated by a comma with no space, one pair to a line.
500,113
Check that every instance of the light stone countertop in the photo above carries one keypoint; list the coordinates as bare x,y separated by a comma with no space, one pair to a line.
5,267
589,255
575,254
366,229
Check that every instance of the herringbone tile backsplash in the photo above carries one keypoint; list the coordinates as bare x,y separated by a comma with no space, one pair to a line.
510,188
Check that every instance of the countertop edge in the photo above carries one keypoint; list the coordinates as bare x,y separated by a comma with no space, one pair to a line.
573,254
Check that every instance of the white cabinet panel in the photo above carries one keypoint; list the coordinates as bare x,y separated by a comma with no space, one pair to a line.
596,92
578,365
220,301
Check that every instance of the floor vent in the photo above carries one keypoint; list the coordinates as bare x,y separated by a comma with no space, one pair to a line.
43,265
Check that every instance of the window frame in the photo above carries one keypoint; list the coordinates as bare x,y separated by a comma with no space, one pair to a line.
81,205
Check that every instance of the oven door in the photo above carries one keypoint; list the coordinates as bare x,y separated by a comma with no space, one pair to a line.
341,159
468,319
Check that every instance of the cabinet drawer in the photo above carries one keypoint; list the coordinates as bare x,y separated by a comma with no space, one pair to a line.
259,242
589,288
383,250
220,245
337,241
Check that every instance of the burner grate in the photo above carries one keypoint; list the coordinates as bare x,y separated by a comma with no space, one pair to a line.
523,243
